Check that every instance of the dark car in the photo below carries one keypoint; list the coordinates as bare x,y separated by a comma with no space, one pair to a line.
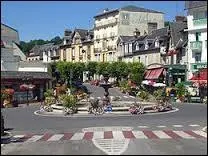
78,85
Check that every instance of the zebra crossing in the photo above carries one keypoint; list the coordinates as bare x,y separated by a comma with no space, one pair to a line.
117,135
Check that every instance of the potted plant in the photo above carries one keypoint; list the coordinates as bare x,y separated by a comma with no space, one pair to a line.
69,103
49,100
180,91
143,95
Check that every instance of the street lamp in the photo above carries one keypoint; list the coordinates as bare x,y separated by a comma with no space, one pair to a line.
27,86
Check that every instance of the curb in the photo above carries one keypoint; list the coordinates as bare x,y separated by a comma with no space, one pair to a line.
7,138
38,112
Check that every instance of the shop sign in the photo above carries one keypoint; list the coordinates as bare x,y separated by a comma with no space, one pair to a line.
197,66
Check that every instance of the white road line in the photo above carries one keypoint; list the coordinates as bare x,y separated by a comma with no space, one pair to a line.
118,135
161,134
142,126
92,97
125,96
204,134
56,137
99,97
161,126
132,97
77,136
98,135
18,136
194,125
139,135
177,125
34,138
184,135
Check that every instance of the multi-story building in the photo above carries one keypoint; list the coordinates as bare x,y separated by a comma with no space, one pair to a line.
162,50
15,71
46,53
111,24
197,36
77,46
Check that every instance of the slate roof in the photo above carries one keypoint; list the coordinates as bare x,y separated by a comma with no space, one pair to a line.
194,4
176,29
23,64
133,8
20,75
158,33
106,13
126,38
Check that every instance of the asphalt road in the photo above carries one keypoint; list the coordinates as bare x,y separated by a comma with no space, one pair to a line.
189,117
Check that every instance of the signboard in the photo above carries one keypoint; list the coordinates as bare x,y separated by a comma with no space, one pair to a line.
197,66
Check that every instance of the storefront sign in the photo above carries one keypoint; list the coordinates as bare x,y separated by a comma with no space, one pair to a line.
197,66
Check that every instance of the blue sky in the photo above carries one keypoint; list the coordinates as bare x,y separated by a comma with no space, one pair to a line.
45,19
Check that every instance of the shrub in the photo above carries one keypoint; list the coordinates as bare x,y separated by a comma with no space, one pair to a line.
159,94
69,101
48,93
181,89
143,95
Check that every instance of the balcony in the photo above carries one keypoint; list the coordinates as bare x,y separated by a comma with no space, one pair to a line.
196,45
200,22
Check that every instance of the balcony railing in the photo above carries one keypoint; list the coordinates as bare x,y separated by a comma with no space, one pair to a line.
196,45
198,22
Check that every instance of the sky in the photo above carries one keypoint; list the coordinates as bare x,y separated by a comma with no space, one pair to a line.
47,19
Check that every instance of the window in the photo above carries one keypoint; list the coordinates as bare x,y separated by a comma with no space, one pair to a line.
198,57
80,51
126,48
137,46
64,54
200,14
198,36
130,47
73,52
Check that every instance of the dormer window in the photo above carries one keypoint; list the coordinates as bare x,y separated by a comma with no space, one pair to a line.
137,46
130,47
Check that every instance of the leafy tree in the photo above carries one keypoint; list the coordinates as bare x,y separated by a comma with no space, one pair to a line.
137,70
103,68
91,67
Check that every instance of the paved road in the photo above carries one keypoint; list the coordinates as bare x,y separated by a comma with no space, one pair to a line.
174,133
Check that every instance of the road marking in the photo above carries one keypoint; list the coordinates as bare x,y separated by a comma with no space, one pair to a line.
98,135
56,137
204,134
142,126
161,126
77,136
108,135
184,135
162,135
88,136
125,96
128,134
139,135
18,136
177,125
92,97
150,134
118,135
34,138
132,97
98,97
194,125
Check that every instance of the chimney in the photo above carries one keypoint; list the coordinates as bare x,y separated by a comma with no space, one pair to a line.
180,19
67,32
136,32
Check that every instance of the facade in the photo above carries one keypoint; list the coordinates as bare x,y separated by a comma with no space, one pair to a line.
77,46
197,36
15,71
46,53
11,54
165,47
109,25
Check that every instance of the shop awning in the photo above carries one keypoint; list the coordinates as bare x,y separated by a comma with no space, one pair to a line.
154,73
201,76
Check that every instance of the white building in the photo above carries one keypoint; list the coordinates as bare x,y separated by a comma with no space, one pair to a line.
197,36
109,25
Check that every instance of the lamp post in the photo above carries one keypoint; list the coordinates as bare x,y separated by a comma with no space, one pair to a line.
26,80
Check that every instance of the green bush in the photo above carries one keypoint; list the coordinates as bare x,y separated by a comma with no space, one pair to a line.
181,89
69,101
143,95
159,94
48,93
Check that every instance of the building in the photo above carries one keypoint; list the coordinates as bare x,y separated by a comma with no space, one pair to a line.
77,46
163,48
11,54
197,36
46,53
15,71
111,24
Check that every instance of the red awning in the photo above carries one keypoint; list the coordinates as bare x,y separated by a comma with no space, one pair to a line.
154,73
147,74
202,76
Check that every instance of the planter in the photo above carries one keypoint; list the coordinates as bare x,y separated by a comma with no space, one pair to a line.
7,103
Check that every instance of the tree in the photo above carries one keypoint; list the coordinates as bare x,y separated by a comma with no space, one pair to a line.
102,68
137,70
91,68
